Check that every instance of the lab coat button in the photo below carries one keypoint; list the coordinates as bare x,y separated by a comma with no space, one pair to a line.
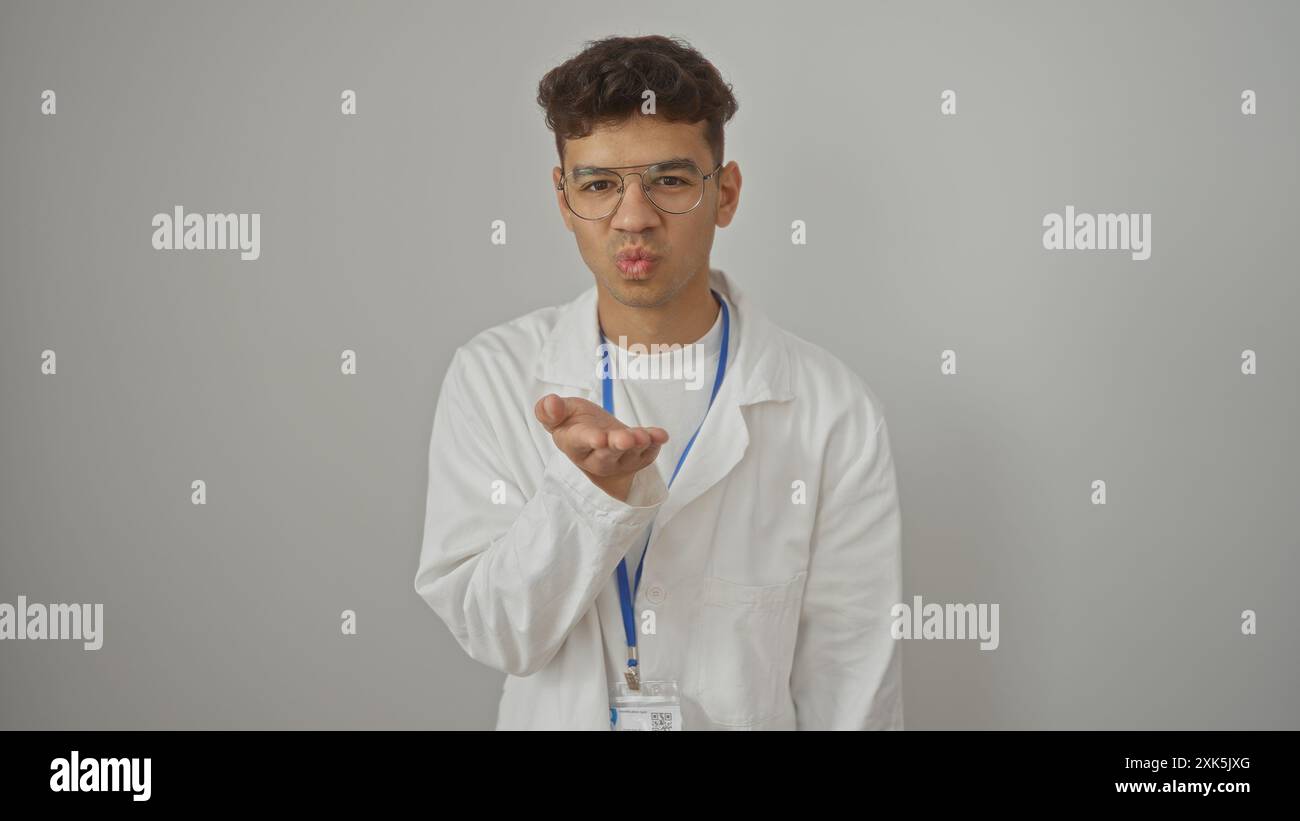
655,594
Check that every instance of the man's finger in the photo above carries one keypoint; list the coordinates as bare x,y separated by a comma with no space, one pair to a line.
604,461
623,439
658,436
592,437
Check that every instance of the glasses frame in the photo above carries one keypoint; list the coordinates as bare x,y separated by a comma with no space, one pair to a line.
622,187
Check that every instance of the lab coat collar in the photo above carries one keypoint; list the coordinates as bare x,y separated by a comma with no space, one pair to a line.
759,371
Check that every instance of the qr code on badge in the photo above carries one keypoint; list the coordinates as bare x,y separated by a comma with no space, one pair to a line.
661,721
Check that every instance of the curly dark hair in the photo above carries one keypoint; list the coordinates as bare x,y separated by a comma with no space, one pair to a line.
603,85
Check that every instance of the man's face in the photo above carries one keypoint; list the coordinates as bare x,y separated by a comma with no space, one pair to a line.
679,243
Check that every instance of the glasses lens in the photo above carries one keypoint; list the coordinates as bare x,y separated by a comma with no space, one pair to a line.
676,187
592,193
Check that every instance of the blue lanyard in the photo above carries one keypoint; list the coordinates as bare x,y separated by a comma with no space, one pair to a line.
626,593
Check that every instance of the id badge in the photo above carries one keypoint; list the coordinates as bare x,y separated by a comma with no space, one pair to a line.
656,706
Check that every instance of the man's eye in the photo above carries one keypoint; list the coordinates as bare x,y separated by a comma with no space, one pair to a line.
677,182
591,186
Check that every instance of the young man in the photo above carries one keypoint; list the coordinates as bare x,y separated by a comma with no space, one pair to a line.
761,585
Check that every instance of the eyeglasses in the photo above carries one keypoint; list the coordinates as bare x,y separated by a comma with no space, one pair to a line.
674,187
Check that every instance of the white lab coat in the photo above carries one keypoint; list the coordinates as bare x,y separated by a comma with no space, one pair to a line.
773,563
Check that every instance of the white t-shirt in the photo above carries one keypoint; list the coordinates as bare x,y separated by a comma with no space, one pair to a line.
678,405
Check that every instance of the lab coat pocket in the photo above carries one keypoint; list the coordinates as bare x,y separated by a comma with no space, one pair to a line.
746,648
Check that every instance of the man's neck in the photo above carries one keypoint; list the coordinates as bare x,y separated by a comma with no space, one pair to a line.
683,320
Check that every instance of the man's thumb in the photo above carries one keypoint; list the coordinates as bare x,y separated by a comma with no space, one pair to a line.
552,410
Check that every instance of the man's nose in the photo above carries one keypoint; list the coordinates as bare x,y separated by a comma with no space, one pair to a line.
636,211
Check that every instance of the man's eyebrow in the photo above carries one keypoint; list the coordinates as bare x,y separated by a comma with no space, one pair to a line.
590,169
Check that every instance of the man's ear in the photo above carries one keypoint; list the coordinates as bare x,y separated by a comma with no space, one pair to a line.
728,193
565,213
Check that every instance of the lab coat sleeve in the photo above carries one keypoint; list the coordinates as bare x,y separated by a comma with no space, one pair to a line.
512,579
847,667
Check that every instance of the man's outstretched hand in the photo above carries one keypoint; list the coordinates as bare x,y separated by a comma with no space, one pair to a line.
605,449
